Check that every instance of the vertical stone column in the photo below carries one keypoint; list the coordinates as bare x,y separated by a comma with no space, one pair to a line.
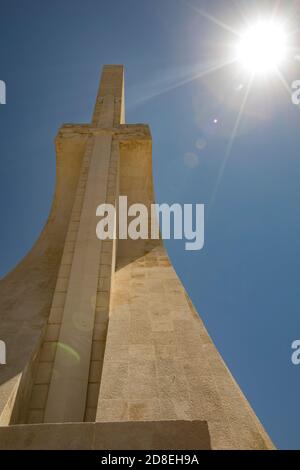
77,367
68,387
106,273
109,109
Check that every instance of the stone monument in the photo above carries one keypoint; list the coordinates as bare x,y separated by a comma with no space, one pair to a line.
104,347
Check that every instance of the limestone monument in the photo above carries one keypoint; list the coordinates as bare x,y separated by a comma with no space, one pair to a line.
104,349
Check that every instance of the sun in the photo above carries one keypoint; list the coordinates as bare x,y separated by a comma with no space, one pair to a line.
263,47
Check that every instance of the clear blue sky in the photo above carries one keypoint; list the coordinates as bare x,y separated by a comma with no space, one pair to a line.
245,283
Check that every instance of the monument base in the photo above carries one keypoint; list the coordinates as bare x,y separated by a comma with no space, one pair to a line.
143,435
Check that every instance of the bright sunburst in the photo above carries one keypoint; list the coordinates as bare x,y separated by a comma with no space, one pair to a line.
263,47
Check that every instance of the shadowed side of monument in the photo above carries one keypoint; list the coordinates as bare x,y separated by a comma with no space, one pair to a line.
113,337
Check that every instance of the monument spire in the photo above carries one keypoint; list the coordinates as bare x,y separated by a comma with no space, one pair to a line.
109,108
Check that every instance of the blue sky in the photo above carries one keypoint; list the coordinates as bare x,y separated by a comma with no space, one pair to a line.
245,283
